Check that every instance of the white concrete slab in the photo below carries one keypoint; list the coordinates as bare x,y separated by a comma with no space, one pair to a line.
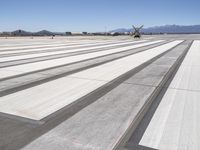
36,45
175,124
29,47
40,101
57,46
98,126
12,58
5,45
25,68
188,76
21,43
31,42
128,62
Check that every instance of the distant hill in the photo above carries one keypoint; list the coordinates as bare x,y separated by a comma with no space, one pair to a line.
44,33
26,33
165,29
171,29
122,30
21,33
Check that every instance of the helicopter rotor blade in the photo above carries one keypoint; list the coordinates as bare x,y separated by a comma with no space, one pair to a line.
140,27
134,28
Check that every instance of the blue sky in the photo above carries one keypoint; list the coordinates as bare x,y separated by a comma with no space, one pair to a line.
95,15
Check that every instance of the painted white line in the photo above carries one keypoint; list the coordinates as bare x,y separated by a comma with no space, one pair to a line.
61,51
25,68
42,100
175,124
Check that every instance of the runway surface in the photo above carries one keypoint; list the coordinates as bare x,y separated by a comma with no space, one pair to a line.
176,121
99,93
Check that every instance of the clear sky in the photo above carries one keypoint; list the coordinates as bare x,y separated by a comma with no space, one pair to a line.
95,15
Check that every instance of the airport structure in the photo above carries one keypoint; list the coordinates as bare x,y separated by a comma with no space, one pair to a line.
100,93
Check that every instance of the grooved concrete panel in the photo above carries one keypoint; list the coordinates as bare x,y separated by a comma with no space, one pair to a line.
34,48
175,124
26,103
67,93
100,125
103,123
17,70
55,52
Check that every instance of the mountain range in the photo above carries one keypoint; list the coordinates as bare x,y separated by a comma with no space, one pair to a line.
27,33
171,29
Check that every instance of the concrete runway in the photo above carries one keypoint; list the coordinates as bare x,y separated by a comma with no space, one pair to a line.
99,93
177,117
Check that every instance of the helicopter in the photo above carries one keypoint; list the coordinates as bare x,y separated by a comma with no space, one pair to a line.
136,32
